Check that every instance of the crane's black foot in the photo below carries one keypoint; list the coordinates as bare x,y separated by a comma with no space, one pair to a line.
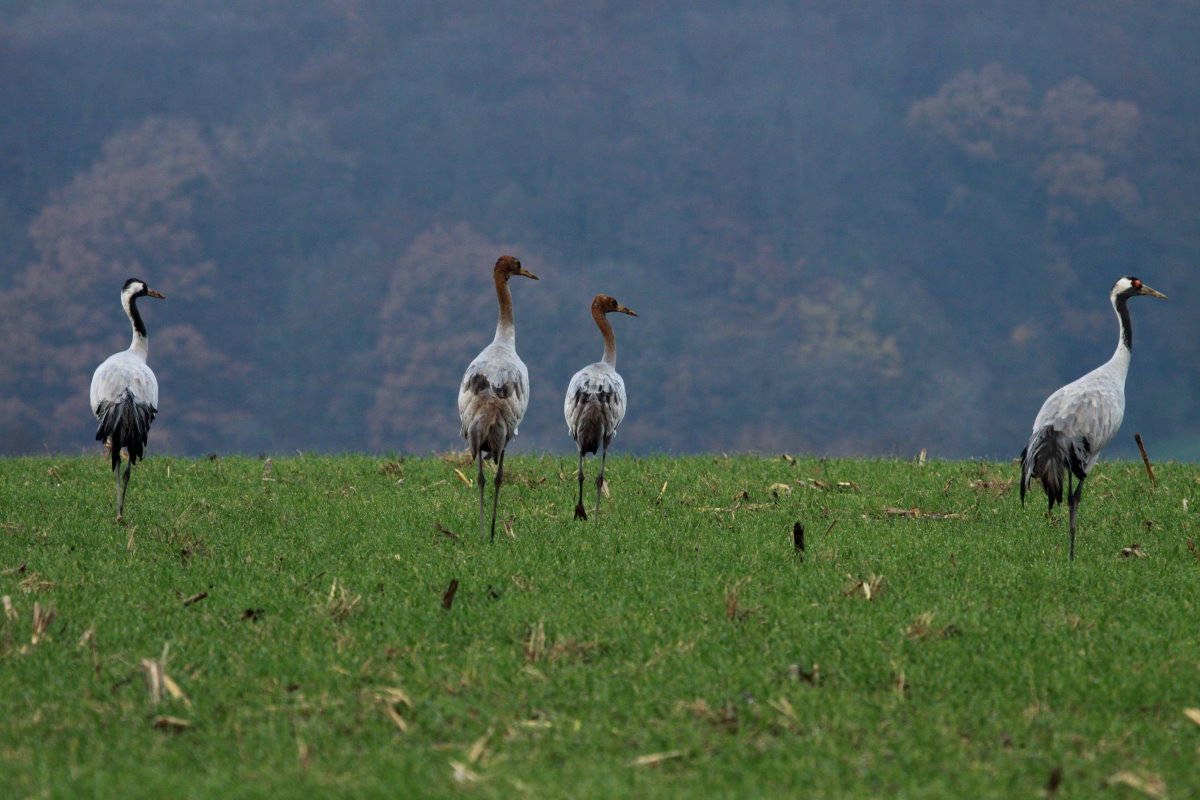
579,512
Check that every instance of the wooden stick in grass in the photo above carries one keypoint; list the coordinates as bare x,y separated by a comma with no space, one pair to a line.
448,597
1137,437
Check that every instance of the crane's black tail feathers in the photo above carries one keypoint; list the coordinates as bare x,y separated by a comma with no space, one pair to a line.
125,423
1047,456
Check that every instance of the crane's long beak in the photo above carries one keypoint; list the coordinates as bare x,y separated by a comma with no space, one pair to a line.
526,273
625,310
152,293
1147,290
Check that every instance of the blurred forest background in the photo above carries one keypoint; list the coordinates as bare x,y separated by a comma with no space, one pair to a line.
849,227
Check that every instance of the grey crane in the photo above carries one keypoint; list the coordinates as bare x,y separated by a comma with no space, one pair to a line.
494,392
595,402
1078,420
124,393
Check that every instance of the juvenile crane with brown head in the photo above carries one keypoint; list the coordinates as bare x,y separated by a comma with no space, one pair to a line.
595,402
494,392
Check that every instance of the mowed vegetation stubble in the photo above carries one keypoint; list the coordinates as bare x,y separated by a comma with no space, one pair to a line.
279,628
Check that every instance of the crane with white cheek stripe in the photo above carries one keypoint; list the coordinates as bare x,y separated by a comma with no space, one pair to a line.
1078,420
124,393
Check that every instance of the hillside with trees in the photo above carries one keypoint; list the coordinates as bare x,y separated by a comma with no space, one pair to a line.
847,227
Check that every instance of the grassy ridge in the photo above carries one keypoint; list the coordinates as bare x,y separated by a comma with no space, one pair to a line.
933,639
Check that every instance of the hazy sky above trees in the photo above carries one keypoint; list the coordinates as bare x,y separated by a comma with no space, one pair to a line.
847,227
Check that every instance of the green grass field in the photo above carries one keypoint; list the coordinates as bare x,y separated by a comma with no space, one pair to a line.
282,631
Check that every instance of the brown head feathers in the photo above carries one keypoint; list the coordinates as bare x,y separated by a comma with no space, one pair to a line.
605,304
507,266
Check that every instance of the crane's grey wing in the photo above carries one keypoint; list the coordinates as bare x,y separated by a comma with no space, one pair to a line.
1089,409
487,379
594,406
123,371
124,398
492,400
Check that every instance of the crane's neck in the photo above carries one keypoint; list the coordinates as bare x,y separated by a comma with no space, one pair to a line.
610,340
139,345
1125,342
505,330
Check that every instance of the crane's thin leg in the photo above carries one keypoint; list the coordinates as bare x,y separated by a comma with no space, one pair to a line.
579,511
1073,503
482,480
121,490
496,492
600,477
120,494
